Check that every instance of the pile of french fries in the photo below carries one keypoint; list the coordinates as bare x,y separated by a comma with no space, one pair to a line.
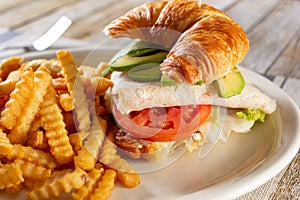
53,136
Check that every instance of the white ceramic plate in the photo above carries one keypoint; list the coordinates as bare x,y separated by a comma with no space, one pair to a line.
232,169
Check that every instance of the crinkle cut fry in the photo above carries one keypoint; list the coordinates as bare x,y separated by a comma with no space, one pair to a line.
32,171
7,86
84,160
66,102
52,122
38,140
108,152
125,173
70,72
5,146
81,107
64,182
91,182
52,65
105,186
88,154
96,85
27,153
69,68
11,176
8,65
18,100
18,134
95,138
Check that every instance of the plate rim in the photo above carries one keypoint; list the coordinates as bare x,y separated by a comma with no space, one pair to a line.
262,177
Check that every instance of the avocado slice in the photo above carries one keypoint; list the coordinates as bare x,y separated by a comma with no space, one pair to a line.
143,48
145,73
166,81
126,63
231,84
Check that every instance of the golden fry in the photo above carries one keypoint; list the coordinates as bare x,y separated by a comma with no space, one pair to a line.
38,140
32,171
35,125
81,108
96,85
37,102
7,86
108,152
18,99
11,176
95,138
76,142
33,64
62,182
5,146
66,102
60,84
91,182
70,72
102,84
36,156
105,186
69,68
125,173
18,134
52,65
52,122
15,188
8,65
84,159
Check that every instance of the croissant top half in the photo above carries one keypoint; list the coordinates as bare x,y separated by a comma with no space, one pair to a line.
204,42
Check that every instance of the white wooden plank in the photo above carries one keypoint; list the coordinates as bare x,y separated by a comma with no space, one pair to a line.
288,63
249,12
26,12
7,5
95,22
271,36
291,87
76,12
223,4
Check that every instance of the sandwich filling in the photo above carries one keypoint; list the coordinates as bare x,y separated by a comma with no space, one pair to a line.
155,118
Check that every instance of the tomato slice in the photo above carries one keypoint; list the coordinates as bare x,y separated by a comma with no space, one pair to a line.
163,124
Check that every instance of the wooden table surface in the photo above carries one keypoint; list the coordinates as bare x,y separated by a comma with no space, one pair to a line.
273,28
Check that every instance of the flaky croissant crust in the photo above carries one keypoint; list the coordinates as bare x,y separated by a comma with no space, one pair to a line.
205,43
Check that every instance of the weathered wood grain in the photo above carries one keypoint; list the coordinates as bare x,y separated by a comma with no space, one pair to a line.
223,5
291,87
75,12
288,63
270,37
249,13
8,5
96,21
29,11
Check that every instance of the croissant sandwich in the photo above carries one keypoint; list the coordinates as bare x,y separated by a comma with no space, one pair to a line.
179,81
